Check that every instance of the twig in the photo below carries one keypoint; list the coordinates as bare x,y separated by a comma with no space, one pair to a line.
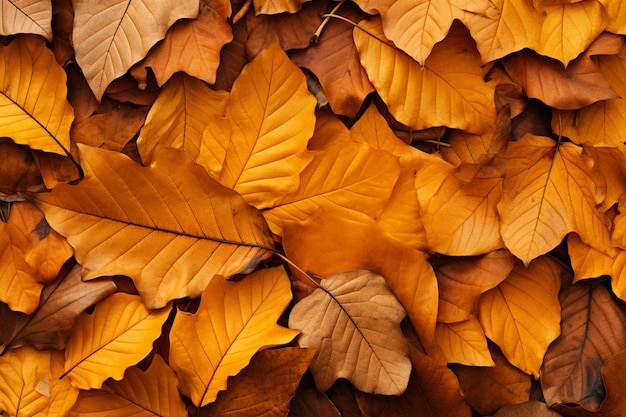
316,36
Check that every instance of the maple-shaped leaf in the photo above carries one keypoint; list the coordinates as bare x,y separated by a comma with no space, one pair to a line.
265,387
31,255
277,6
116,336
192,46
448,91
269,129
51,323
110,36
34,110
153,392
169,226
464,342
549,190
522,313
592,330
353,320
233,322
26,16
179,116
30,385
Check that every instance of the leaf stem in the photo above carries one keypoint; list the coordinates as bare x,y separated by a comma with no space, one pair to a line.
297,268
316,36
242,12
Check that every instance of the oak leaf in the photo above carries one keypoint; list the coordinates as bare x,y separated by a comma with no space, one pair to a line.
116,336
33,107
110,36
353,320
464,342
153,392
448,91
26,16
170,226
592,330
233,322
49,326
537,209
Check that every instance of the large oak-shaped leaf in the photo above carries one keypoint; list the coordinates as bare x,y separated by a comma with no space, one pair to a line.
116,336
271,119
26,16
592,330
353,320
549,190
110,36
51,323
34,110
233,322
522,313
170,226
448,91
153,392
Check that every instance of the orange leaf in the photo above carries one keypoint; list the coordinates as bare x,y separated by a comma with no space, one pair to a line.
170,250
550,189
233,322
353,319
277,6
464,342
110,36
116,336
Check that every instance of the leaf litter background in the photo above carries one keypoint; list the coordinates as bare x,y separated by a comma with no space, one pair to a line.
272,208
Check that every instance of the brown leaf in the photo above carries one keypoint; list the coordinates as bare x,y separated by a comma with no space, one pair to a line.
62,24
232,58
532,408
592,330
18,171
277,6
111,130
464,342
309,402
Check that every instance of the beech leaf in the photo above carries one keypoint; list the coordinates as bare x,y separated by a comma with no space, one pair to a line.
464,342
26,16
170,226
110,36
353,320
116,336
233,322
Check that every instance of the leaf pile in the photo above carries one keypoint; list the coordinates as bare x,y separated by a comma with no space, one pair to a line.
312,208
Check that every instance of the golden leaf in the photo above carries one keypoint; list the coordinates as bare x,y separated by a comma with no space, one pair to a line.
33,107
549,190
448,91
277,6
353,320
170,226
116,336
110,36
616,12
26,16
464,342
233,322
522,314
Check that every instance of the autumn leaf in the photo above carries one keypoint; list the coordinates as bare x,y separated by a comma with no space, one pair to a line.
116,336
111,130
27,16
532,408
309,402
18,172
464,342
33,109
165,247
233,322
353,342
277,6
150,392
109,37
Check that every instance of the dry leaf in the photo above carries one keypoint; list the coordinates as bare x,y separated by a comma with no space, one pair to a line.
26,16
112,130
277,6
530,408
464,342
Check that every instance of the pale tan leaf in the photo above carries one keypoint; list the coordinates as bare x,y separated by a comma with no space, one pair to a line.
26,16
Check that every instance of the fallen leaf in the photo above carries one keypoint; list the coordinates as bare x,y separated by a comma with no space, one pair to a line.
309,402
357,338
62,24
277,6
110,36
464,342
532,408
26,16
116,336
613,378
232,58
616,12
111,130
233,322
142,234
18,172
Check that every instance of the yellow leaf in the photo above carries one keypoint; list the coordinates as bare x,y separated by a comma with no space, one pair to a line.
353,319
179,115
140,394
269,129
233,322
448,91
522,314
464,342
116,336
616,10
34,110
110,36
170,226
26,16
549,190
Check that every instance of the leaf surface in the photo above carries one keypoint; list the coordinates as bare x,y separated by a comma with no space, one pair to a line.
532,408
110,36
233,322
353,342
464,342
170,226
116,336
26,16
33,106
277,6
